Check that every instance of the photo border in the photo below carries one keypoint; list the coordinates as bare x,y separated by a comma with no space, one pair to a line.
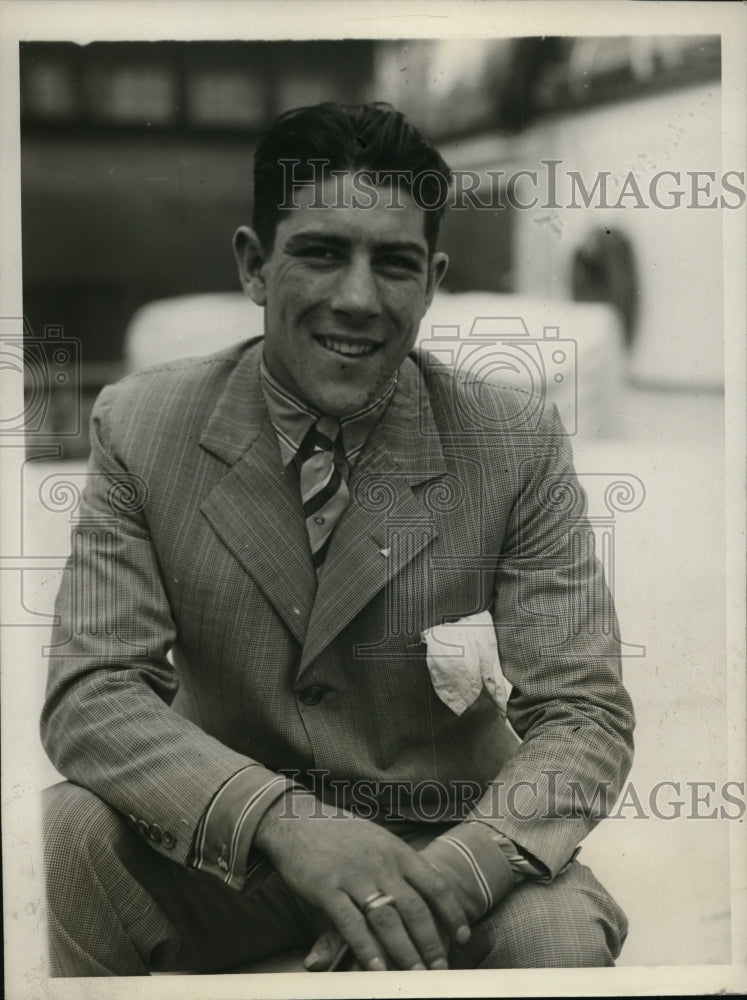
135,20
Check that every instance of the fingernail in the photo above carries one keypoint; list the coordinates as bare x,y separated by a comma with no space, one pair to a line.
376,965
463,934
310,960
418,966
440,963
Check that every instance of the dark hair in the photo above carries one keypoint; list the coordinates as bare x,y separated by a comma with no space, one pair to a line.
373,137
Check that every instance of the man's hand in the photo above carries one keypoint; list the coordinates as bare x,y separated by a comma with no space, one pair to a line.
335,862
329,952
476,869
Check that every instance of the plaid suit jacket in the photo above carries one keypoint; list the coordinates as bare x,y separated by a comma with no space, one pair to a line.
190,624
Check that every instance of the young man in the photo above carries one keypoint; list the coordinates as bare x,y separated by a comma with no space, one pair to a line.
269,734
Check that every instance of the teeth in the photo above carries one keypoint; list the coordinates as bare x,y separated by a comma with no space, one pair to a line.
342,347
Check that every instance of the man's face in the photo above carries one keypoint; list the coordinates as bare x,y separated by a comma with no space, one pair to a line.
344,290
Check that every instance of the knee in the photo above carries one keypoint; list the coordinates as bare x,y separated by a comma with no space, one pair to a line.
98,920
570,923
577,944
81,834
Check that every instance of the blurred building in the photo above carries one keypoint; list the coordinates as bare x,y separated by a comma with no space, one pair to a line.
136,162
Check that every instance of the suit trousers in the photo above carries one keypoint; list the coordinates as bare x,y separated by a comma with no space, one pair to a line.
116,907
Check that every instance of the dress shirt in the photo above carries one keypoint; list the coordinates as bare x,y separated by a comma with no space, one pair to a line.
292,419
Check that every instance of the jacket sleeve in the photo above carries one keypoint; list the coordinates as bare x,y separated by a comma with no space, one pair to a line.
559,647
107,723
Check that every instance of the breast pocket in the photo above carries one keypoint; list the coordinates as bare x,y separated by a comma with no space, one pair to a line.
462,659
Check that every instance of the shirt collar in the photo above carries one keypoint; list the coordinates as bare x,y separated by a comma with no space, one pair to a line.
292,418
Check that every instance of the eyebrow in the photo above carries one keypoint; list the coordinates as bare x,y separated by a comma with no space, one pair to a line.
317,236
404,245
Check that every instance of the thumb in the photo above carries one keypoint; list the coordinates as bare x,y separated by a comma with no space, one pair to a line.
324,950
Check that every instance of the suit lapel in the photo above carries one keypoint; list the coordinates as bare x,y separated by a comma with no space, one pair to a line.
255,509
388,522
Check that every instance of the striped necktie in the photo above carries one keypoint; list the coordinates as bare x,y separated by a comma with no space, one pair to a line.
324,492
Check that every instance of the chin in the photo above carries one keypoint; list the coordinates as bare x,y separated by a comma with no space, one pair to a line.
339,403
341,407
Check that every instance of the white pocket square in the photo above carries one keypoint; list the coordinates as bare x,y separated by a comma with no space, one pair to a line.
462,657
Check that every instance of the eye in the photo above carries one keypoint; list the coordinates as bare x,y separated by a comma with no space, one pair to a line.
319,253
399,263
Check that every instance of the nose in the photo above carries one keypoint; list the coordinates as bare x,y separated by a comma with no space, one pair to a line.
356,294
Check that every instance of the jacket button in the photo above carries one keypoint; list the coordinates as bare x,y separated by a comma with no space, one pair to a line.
143,828
312,695
168,839
132,822
155,833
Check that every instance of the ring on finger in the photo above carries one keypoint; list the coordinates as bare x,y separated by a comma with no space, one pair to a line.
375,900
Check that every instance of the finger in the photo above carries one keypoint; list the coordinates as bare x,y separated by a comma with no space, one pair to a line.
323,951
343,955
352,925
389,928
435,890
421,927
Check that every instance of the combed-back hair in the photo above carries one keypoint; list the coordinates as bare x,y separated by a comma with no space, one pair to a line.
375,138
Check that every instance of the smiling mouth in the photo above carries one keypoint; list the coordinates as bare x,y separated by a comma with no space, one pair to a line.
348,348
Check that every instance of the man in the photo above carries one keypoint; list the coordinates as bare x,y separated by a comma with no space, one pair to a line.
270,738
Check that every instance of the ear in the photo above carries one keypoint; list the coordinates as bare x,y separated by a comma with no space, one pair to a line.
437,268
250,259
